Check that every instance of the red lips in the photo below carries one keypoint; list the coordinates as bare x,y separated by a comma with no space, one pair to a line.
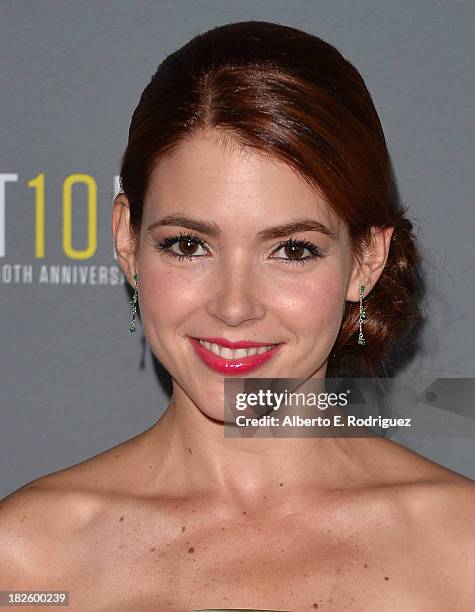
236,345
232,367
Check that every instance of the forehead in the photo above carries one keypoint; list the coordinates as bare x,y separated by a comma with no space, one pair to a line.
211,176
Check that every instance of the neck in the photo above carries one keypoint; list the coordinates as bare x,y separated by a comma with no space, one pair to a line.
193,458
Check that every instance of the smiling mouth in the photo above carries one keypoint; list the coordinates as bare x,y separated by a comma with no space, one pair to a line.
227,353
233,361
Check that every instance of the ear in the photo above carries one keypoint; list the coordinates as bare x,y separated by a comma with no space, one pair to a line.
368,271
124,240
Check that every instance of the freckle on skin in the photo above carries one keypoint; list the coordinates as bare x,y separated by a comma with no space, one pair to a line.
121,519
281,484
365,564
183,529
191,549
315,605
244,512
116,456
386,578
152,549
189,450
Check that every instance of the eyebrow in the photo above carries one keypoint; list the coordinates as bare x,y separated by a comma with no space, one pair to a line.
277,231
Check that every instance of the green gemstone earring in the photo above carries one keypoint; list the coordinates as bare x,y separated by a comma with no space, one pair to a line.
361,339
133,304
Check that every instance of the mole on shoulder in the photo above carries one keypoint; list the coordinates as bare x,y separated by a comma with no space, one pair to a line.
152,549
244,512
386,577
189,450
365,565
191,549
281,484
183,529
121,519
315,605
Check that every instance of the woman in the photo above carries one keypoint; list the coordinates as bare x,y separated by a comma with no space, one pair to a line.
257,209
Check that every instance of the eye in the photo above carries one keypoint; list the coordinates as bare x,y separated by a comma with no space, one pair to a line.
295,249
186,243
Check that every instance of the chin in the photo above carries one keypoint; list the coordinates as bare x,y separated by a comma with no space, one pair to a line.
217,416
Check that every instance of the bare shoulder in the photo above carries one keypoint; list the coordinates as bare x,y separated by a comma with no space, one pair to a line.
435,495
39,521
48,516
439,511
446,511
447,506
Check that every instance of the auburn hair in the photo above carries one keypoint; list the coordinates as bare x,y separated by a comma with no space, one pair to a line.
287,93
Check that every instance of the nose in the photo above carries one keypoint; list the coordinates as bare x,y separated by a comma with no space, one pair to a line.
236,295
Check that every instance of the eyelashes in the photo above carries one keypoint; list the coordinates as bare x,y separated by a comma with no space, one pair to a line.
164,246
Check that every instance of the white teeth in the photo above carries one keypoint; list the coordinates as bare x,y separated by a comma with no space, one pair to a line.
227,353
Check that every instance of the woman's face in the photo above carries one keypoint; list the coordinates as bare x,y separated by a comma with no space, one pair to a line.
239,284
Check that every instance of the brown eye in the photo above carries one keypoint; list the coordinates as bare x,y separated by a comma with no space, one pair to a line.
294,251
182,247
187,246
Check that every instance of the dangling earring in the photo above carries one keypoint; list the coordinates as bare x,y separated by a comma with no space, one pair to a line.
361,339
133,304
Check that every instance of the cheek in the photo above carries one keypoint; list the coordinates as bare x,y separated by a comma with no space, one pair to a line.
163,296
313,306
